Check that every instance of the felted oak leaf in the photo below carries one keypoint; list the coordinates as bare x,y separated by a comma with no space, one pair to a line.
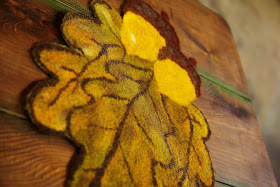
124,99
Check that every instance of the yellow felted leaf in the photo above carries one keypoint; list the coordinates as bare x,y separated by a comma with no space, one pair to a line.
59,60
108,16
85,34
191,134
52,105
140,38
174,82
55,100
129,113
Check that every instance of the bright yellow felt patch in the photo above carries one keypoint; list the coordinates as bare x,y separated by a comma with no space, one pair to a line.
174,82
140,38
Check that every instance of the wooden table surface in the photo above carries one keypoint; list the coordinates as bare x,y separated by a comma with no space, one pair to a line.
31,158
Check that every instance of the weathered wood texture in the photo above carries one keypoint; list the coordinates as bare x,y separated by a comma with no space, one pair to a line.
33,159
29,158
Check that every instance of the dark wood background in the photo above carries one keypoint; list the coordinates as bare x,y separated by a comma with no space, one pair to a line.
31,158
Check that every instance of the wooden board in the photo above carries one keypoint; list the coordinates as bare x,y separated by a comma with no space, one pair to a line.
30,158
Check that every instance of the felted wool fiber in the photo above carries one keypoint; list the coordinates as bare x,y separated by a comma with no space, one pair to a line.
122,92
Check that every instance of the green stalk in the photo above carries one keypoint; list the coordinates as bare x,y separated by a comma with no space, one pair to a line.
68,6
13,113
214,81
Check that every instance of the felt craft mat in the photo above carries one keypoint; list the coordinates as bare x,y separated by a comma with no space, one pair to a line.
122,92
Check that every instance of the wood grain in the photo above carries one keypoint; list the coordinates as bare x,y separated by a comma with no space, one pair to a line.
29,158
236,146
22,25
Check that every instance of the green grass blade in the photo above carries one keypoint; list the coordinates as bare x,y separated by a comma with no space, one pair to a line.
68,6
13,113
210,79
